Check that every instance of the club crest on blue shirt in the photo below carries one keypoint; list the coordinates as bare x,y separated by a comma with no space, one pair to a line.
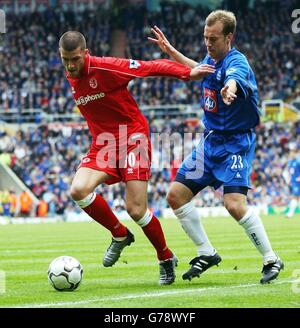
210,100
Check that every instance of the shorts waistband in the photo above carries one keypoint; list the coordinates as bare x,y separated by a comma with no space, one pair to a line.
228,133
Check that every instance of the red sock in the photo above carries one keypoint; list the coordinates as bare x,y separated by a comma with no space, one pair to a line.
155,234
101,212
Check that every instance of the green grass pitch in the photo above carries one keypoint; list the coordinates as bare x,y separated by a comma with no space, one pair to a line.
26,251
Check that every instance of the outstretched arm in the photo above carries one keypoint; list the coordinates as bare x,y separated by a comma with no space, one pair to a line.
166,47
128,69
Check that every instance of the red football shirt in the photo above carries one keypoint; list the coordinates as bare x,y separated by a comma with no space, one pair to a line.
103,98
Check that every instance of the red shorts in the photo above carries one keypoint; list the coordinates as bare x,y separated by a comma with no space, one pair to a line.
132,162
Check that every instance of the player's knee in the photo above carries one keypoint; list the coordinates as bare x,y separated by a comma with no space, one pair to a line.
173,199
235,209
136,211
78,192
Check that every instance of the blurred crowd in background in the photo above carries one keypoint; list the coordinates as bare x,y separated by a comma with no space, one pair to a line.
31,75
46,158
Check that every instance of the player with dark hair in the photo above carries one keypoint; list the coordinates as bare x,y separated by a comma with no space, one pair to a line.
224,155
120,150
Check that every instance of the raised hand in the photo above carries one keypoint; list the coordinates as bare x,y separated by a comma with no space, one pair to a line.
161,40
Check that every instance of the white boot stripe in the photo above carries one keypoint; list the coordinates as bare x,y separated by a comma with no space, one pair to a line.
202,261
197,267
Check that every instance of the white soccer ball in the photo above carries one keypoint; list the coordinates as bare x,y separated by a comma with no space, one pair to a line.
65,273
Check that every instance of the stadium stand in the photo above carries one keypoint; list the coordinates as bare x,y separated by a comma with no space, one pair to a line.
46,160
35,79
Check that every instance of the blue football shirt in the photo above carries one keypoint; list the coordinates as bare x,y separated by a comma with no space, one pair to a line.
294,168
243,113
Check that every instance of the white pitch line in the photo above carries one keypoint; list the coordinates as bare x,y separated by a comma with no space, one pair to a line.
295,303
143,295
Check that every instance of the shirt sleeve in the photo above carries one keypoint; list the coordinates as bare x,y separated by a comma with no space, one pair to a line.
138,68
237,69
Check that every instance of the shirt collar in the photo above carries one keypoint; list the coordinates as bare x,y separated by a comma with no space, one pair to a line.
221,61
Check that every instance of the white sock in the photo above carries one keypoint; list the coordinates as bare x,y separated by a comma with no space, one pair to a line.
145,219
190,221
87,200
256,232
292,208
119,238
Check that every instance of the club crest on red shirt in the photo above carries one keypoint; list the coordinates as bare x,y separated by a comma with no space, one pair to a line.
93,83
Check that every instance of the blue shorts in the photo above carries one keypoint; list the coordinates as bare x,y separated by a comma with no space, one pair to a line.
295,189
219,159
